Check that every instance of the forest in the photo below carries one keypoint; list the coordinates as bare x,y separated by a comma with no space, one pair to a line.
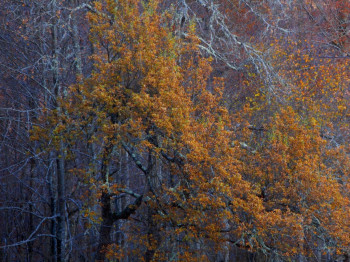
175,130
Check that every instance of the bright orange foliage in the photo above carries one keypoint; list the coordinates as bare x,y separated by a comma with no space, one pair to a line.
269,183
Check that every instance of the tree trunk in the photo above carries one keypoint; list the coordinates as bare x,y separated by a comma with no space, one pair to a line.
61,223
106,226
153,234
77,52
106,211
53,226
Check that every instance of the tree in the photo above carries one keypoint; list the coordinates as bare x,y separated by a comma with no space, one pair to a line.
35,50
149,97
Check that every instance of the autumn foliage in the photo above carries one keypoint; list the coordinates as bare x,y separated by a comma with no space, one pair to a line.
195,139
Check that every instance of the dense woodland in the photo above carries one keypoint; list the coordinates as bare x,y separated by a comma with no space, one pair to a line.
175,130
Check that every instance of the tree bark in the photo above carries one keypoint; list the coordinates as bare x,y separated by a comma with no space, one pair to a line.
61,222
106,226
